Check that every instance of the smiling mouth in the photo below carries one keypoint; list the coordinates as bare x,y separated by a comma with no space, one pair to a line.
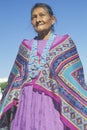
39,24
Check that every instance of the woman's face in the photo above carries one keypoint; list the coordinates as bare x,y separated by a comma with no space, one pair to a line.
41,20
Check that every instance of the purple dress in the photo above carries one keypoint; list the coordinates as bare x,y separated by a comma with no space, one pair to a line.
36,110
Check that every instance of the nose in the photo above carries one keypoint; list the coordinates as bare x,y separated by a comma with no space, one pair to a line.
38,18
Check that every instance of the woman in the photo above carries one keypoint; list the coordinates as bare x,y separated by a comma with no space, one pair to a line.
46,89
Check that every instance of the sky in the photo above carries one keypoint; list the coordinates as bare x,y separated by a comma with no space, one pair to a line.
15,25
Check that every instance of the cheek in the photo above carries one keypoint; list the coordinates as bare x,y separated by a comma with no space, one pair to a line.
33,23
49,21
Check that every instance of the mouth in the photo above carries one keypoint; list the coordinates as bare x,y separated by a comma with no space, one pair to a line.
39,24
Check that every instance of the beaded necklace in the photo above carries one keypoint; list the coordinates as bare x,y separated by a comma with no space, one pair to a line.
34,67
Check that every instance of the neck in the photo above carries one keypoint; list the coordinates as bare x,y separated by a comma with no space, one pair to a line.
44,35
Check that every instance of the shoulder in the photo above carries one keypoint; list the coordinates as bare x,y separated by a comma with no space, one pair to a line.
27,42
59,39
24,48
63,41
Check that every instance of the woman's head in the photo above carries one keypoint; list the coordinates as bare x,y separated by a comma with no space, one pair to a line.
42,17
45,6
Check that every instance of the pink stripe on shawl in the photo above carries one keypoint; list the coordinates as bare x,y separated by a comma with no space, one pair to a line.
67,123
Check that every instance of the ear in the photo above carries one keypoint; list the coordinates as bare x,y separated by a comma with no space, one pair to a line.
53,19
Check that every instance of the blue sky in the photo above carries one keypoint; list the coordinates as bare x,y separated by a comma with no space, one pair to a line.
15,25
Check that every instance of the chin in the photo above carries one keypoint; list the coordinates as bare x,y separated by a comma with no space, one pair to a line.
40,31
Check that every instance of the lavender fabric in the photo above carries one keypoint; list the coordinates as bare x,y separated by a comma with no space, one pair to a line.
36,111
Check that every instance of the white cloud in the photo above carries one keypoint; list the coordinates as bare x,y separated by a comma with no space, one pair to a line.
3,80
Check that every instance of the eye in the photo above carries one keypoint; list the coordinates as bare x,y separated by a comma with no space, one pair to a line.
34,16
42,14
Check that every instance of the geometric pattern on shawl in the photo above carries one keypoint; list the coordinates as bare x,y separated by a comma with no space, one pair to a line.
72,89
12,92
61,78
66,81
16,78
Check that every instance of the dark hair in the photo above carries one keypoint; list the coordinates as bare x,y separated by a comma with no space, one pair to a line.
43,5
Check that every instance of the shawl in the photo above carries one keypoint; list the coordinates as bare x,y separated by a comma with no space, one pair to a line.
62,78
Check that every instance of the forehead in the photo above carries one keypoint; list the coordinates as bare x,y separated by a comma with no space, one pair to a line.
40,10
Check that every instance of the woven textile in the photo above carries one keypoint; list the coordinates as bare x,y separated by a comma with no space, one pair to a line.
61,78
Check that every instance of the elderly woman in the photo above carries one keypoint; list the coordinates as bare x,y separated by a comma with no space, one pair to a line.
46,89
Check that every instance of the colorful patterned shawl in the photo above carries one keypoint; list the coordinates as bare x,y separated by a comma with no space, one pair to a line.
62,78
